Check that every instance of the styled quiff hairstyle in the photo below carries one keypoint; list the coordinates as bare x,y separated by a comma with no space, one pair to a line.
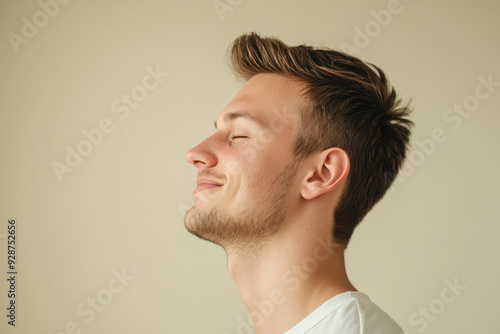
351,106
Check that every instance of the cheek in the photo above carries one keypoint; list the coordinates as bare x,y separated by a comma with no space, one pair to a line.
253,169
248,155
246,178
238,158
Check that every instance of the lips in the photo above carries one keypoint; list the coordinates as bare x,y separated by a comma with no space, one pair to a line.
203,180
204,183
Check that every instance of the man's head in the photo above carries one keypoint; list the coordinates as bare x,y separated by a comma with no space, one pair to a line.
308,103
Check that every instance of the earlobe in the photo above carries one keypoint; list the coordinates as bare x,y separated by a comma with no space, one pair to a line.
327,172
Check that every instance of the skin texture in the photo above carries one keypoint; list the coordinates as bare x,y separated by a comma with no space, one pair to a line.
271,213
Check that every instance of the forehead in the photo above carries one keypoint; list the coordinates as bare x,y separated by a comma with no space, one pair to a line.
268,98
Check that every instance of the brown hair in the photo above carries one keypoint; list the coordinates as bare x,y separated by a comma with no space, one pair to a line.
351,106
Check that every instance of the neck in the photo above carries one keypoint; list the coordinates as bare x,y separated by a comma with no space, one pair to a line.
288,277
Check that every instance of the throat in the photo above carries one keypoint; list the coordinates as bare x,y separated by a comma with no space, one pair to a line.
281,285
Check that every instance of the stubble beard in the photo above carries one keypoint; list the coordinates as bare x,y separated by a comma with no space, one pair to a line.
246,228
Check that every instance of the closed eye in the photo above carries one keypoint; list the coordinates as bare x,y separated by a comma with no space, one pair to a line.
233,138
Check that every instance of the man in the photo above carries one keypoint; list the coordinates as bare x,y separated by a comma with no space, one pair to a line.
299,156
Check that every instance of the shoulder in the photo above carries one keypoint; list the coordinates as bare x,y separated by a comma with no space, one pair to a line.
360,315
350,312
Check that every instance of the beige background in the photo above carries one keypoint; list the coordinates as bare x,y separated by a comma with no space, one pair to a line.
123,205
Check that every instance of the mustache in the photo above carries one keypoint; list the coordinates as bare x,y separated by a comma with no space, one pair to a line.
212,175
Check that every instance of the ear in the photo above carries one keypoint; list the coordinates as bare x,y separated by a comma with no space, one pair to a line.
330,169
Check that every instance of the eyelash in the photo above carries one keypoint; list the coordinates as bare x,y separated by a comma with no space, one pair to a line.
236,137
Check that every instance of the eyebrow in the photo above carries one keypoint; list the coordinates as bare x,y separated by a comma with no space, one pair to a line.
231,116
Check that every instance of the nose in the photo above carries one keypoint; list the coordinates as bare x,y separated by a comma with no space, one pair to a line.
202,155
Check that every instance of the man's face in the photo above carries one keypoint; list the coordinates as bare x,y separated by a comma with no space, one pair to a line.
246,171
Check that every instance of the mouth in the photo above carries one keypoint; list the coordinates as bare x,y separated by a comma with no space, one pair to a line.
205,186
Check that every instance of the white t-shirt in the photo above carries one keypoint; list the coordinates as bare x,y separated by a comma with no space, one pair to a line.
350,312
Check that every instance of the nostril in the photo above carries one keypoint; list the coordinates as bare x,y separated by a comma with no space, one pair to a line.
195,159
198,163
